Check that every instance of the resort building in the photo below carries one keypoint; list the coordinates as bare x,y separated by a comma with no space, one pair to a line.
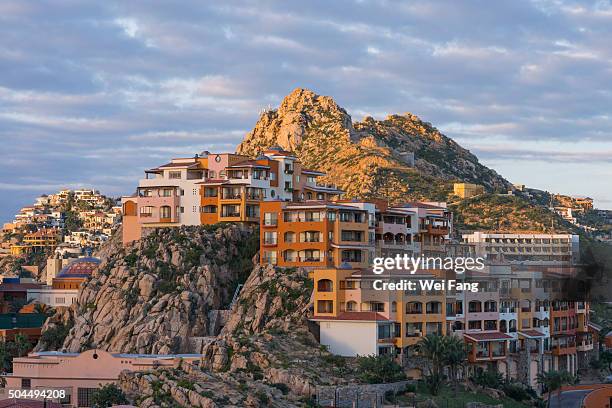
467,190
64,288
82,374
317,234
523,247
224,187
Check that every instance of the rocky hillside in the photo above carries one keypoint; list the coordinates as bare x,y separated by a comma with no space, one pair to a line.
507,213
370,158
265,355
155,296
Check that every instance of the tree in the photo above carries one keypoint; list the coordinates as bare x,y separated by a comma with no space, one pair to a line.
21,344
455,356
379,369
432,347
43,308
553,381
5,356
107,396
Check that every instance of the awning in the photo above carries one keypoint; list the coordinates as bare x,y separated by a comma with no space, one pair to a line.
487,336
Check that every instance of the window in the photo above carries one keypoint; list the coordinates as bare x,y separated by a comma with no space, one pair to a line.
270,257
474,306
490,325
351,255
209,209
210,192
311,179
146,211
350,235
310,236
351,306
270,219
26,383
270,238
325,285
414,329
60,300
174,174
474,325
165,211
331,216
166,192
84,396
230,210
434,308
325,306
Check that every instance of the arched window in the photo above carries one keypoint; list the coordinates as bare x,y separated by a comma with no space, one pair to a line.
475,306
490,306
512,326
414,308
394,307
351,306
289,236
325,285
434,307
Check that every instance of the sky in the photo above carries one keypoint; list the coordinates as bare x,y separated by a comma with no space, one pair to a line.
91,94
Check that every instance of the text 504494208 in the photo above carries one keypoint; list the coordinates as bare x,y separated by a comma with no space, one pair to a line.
37,394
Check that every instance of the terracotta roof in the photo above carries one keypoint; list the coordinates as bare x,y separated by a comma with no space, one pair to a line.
355,316
18,287
247,163
79,268
421,205
177,165
531,333
487,336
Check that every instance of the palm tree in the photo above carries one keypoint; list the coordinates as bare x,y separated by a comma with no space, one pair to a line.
432,347
455,356
43,308
553,381
21,344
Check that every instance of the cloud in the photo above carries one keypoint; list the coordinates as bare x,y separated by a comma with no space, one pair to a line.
111,88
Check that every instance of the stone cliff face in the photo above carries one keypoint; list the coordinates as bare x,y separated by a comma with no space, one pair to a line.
154,296
264,356
371,158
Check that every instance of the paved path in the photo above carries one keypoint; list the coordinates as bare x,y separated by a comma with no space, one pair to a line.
569,399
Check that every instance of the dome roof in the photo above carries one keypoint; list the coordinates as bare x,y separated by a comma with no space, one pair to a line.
79,268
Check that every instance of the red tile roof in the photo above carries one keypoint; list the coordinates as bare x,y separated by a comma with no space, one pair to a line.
531,333
19,287
421,205
355,316
487,336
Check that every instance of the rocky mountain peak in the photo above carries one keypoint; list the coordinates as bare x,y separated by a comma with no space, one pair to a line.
399,158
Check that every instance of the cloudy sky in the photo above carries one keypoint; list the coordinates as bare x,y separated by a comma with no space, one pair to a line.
90,95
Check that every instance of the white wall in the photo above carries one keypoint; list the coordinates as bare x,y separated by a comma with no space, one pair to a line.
349,338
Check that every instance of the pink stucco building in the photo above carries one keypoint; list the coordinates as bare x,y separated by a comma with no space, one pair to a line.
80,374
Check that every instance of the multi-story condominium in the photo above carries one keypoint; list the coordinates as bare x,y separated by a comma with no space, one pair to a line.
396,229
519,322
432,225
211,188
317,234
521,247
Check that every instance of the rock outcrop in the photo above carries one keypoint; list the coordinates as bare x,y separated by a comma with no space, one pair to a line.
371,158
264,356
155,295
